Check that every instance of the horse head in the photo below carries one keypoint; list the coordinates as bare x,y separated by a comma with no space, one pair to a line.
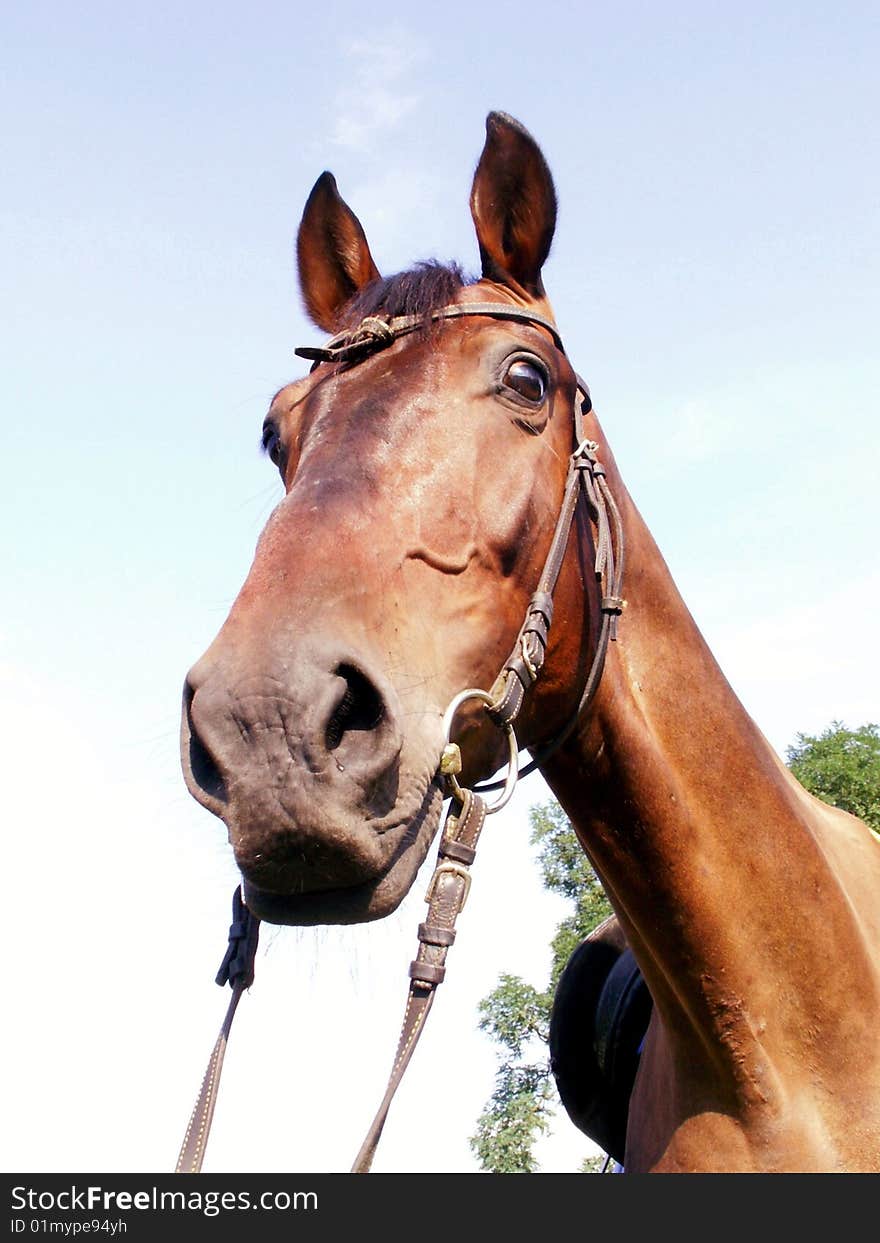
424,459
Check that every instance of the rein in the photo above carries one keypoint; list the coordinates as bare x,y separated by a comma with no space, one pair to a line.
466,815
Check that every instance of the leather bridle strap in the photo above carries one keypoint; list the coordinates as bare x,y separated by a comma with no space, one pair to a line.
609,569
585,473
447,892
520,671
237,970
376,332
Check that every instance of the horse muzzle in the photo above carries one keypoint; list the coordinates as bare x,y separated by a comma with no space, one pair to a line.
302,760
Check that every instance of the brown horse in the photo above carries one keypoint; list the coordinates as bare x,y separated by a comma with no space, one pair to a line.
424,471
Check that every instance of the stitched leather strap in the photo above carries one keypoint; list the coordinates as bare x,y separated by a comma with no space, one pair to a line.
237,969
447,893
376,332
585,475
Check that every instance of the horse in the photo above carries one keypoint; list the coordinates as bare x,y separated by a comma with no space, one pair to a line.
426,456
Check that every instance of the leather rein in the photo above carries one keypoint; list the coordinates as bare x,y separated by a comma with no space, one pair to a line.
467,811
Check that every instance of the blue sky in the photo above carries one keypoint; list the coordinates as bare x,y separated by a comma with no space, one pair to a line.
715,275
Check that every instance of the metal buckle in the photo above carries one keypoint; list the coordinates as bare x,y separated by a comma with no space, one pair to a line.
458,869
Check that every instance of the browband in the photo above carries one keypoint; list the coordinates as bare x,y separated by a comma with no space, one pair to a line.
376,332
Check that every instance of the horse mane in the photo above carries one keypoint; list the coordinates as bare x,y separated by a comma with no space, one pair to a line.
419,291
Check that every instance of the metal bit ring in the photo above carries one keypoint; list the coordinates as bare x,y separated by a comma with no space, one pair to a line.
513,762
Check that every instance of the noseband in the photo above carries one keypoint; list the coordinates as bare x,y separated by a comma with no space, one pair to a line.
451,880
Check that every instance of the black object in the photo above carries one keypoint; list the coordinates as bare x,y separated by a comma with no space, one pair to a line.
598,1022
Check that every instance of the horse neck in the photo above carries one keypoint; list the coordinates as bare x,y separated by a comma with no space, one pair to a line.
713,856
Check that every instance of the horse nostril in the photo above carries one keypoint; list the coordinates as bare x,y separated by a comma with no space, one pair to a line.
361,707
202,766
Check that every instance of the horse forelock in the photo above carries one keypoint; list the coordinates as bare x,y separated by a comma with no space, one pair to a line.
419,291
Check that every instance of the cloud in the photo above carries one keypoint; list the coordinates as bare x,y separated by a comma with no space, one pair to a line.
380,90
697,432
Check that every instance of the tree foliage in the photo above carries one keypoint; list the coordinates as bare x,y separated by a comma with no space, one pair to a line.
517,1015
841,766
566,870
513,1013
517,1113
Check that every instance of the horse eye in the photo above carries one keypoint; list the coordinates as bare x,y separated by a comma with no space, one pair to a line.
271,442
527,379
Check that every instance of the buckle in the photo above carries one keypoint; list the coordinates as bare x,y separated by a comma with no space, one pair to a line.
457,869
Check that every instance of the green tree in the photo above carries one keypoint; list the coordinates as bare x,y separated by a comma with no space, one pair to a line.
842,767
517,1016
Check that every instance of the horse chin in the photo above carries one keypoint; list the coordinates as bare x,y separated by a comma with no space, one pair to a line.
359,901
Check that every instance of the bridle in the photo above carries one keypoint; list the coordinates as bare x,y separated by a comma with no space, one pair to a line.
466,815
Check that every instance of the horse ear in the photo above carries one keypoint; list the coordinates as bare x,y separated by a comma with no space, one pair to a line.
513,203
332,253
